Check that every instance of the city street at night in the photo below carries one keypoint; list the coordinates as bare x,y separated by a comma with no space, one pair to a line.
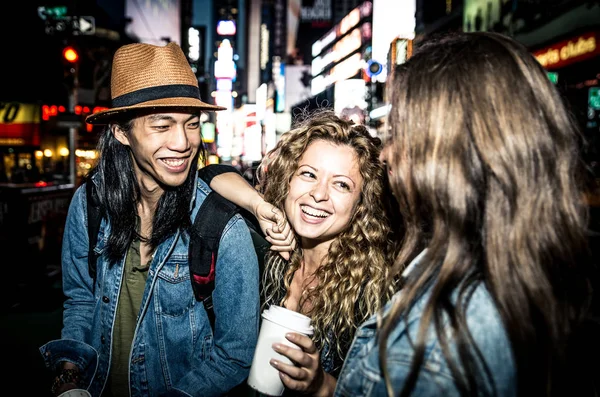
250,72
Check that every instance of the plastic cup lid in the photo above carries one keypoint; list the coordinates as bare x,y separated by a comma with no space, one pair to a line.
295,321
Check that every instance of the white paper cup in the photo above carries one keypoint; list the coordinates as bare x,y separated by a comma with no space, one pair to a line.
75,393
277,321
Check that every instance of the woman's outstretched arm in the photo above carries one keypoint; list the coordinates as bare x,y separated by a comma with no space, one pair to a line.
227,181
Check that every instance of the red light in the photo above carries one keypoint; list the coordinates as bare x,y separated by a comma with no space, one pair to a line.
78,109
41,184
45,112
51,111
70,54
99,109
62,109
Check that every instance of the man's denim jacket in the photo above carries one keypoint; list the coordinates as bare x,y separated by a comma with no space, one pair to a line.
174,351
361,374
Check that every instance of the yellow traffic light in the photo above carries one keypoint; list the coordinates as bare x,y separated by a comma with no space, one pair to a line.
70,54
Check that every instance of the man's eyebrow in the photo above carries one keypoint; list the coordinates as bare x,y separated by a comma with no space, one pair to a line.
157,117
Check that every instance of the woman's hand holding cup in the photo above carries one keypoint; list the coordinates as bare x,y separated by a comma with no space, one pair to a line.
307,375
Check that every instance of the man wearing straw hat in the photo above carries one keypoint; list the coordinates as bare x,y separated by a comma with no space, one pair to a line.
136,328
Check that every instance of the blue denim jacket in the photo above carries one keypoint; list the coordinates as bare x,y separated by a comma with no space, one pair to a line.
174,351
361,374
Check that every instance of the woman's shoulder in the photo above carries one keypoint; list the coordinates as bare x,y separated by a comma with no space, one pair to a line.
490,344
483,321
482,317
491,350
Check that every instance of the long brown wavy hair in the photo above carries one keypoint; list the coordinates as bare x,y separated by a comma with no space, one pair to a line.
353,278
486,170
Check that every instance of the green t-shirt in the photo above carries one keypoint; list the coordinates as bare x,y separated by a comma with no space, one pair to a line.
130,301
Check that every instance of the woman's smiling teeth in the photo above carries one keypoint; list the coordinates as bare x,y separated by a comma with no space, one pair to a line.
314,212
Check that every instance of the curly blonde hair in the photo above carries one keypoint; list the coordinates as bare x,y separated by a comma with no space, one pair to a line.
352,280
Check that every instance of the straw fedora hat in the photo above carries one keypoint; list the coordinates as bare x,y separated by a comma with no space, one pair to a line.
149,77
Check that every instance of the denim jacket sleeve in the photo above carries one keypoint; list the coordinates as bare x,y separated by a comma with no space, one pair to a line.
495,369
236,307
74,345
362,375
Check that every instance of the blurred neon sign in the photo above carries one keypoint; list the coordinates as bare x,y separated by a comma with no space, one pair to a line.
226,28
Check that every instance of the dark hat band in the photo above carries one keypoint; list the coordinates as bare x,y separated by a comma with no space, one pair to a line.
159,92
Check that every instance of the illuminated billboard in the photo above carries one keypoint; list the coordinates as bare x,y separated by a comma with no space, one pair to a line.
569,51
350,99
224,65
226,28
154,21
392,19
19,124
480,15
346,24
337,54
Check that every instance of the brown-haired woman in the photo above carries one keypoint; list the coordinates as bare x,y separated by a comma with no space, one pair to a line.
484,164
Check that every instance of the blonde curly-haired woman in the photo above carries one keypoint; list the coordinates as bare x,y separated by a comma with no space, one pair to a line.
325,176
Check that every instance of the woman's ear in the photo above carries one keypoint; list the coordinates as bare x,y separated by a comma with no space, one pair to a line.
119,134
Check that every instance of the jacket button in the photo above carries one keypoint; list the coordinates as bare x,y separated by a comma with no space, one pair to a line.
105,299
102,339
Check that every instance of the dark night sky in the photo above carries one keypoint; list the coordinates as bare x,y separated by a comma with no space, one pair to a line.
30,59
31,66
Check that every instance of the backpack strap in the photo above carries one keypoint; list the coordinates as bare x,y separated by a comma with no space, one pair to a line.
205,235
94,217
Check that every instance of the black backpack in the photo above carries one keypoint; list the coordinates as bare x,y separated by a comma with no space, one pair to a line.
205,235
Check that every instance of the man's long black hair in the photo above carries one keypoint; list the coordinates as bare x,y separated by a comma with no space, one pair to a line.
119,193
